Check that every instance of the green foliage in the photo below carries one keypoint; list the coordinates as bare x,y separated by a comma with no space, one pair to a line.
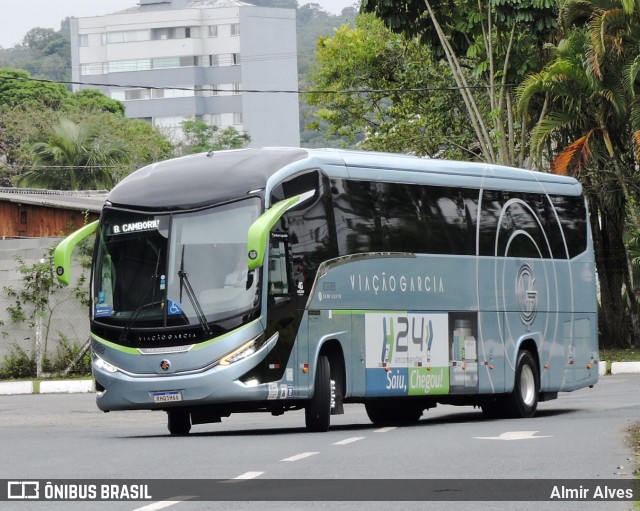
68,356
86,130
313,22
18,363
92,100
383,65
465,23
200,136
18,89
43,52
74,157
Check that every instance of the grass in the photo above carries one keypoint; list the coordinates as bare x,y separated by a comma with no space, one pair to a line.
620,355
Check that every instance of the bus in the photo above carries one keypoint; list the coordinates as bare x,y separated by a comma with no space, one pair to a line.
280,279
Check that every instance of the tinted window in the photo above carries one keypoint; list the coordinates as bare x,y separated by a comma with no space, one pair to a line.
396,217
573,218
524,225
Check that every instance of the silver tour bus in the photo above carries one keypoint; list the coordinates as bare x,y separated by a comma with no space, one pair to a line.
284,279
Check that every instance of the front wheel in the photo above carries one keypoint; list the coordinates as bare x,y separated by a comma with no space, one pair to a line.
317,413
179,422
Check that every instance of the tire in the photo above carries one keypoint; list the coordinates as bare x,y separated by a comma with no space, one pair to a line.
393,414
523,401
179,422
317,413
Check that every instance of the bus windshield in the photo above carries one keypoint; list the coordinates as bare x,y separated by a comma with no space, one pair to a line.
174,269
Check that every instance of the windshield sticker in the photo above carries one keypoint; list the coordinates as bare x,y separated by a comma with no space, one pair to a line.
147,225
174,308
102,311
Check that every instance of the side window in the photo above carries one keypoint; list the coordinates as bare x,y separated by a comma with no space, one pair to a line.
514,224
573,219
398,217
357,210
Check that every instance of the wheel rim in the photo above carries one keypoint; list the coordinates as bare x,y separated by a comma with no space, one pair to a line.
527,385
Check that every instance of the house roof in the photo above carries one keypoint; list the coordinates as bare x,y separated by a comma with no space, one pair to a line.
87,200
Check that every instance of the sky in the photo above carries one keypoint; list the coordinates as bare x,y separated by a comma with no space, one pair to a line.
23,15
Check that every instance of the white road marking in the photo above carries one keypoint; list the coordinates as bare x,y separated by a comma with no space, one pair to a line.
248,475
300,456
349,440
163,503
512,435
384,430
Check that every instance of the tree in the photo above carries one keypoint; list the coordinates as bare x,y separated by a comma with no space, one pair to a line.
200,136
589,130
404,104
74,157
92,100
18,88
500,40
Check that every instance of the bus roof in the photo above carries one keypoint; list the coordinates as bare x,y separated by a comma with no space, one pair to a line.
209,178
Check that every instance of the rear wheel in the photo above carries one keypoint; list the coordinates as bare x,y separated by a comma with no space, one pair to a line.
523,401
393,414
317,413
179,422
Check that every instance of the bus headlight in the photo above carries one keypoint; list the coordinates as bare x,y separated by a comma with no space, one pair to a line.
103,364
248,348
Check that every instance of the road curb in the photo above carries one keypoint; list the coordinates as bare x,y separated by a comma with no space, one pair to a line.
602,368
625,367
46,387
66,387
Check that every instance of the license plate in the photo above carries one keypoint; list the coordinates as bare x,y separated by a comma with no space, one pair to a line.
167,396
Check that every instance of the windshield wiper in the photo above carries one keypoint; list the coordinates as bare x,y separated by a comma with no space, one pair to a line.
184,283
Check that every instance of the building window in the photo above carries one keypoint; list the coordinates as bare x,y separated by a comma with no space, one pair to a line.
23,217
126,36
118,66
235,88
235,29
92,69
235,57
83,40
213,30
169,121
237,118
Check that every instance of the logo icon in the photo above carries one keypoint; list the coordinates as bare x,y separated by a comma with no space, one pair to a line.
23,490
527,295
165,365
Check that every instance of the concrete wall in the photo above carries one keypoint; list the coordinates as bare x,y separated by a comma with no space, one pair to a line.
69,317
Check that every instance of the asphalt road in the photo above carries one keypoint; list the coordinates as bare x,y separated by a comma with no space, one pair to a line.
582,435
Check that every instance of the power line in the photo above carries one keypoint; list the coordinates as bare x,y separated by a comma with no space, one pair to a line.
264,91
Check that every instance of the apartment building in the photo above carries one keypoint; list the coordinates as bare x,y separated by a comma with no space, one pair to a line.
172,60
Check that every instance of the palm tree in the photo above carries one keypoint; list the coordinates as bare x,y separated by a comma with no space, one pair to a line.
589,129
74,157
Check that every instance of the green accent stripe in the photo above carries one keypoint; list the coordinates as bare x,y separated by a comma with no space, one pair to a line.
62,253
131,351
259,231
